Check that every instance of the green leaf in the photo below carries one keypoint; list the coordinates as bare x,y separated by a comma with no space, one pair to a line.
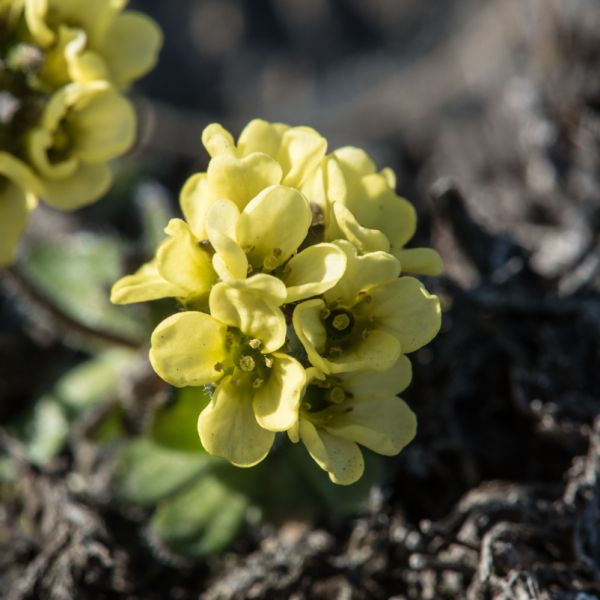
201,520
76,272
146,472
94,381
45,431
175,425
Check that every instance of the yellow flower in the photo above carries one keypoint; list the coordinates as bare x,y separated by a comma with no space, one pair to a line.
338,412
266,154
368,318
265,236
82,127
92,40
18,189
237,348
359,204
182,269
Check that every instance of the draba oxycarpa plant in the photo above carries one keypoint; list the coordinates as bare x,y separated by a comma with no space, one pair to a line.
297,301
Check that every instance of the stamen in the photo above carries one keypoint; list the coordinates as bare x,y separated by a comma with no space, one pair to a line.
256,383
218,367
255,343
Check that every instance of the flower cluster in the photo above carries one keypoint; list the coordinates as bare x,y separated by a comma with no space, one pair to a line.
297,304
63,66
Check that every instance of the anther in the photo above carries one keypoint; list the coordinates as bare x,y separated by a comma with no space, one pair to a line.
255,343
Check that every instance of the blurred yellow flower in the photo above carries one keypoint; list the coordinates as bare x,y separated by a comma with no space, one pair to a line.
338,412
82,127
236,348
92,40
18,189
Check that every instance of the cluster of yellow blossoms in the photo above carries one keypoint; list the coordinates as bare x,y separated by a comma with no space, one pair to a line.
63,65
287,268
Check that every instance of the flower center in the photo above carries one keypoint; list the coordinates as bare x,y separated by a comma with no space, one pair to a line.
61,143
245,362
325,399
338,322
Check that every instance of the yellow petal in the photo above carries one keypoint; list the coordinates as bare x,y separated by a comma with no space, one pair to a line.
240,179
217,140
341,458
130,47
355,162
228,427
222,217
35,15
384,426
408,311
38,143
420,261
301,151
365,239
182,262
67,60
20,174
378,351
273,225
269,287
252,311
87,184
195,199
276,402
186,347
309,328
229,261
313,271
101,124
362,273
145,284
378,385
384,209
261,136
